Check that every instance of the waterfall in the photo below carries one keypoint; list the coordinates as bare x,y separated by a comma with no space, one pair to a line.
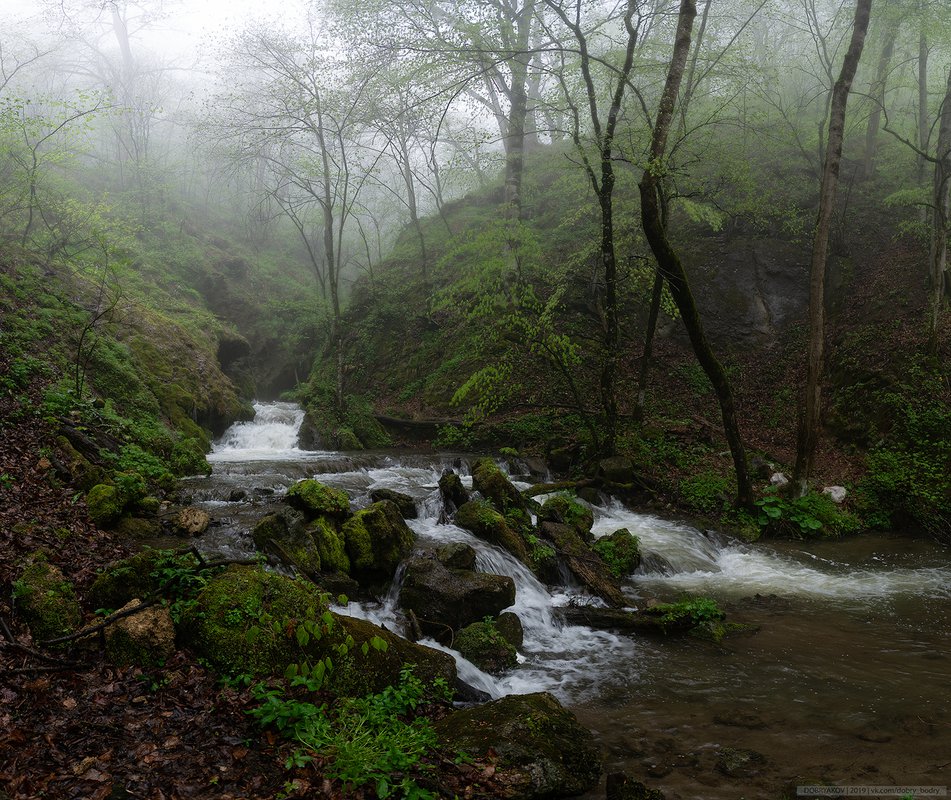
272,434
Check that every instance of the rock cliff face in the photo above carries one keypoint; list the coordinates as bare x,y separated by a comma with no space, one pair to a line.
750,290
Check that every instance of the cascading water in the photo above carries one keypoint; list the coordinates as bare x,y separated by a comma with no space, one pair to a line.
838,626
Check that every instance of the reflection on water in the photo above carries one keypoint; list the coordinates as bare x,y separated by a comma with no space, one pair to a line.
845,681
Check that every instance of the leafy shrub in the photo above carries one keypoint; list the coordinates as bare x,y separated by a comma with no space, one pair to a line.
805,517
454,437
706,491
371,741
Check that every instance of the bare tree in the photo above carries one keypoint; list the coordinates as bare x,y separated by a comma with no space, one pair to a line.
810,414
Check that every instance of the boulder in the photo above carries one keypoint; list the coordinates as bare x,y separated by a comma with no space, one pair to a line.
479,517
449,599
45,599
317,500
565,509
248,621
104,505
541,750
405,503
621,551
191,521
510,626
494,486
585,563
377,540
617,469
485,646
125,580
453,493
285,538
145,639
130,527
456,555
330,546
778,480
837,494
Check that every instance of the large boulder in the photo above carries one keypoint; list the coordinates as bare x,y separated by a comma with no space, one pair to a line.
405,503
446,599
494,486
191,521
104,504
479,517
377,539
541,749
144,639
585,563
248,621
317,500
617,470
45,599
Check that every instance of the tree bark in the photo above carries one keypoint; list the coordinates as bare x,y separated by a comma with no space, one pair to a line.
668,262
939,238
811,406
878,102
924,130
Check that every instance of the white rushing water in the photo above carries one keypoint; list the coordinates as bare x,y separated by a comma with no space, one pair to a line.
271,435
574,662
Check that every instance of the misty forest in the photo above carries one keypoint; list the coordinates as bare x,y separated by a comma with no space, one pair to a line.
475,399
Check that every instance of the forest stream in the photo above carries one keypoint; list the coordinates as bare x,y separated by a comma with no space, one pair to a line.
846,679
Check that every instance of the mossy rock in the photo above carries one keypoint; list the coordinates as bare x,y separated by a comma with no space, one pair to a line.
286,539
246,621
540,748
330,546
138,528
344,438
148,506
453,493
188,457
585,563
479,517
104,504
45,599
125,580
405,503
377,540
485,646
510,626
83,474
445,600
494,486
456,555
317,500
621,551
567,510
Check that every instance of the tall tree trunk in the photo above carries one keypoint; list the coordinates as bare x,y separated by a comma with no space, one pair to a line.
518,110
811,408
878,102
668,262
939,236
657,292
924,129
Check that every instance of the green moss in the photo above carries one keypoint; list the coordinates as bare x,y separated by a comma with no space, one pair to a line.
188,457
377,539
104,505
566,509
46,600
137,528
485,647
125,580
479,517
330,545
315,499
620,551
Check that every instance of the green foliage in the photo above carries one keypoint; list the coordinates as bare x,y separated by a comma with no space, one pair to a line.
804,517
620,551
179,580
908,478
373,741
454,437
697,609
706,491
